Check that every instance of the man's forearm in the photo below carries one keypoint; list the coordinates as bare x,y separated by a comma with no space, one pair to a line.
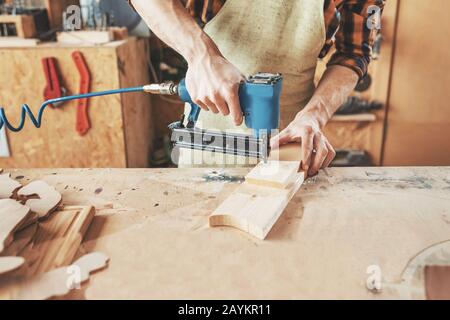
170,21
334,88
212,81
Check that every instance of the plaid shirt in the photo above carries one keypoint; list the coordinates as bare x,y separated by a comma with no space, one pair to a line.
345,22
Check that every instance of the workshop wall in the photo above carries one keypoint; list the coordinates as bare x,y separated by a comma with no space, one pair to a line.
418,123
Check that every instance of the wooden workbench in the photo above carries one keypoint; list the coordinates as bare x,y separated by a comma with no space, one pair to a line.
153,225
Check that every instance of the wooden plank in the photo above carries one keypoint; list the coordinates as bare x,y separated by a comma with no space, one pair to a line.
24,24
16,42
255,209
89,36
256,205
363,117
58,239
274,174
92,37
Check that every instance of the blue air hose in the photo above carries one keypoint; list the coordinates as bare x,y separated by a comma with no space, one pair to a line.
37,121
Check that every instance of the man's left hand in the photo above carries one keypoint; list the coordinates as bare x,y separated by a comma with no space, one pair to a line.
316,151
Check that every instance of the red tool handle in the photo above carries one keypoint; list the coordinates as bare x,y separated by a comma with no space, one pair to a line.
53,88
83,124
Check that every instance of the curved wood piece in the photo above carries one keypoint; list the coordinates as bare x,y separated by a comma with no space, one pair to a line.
10,264
48,200
256,205
55,283
7,186
12,215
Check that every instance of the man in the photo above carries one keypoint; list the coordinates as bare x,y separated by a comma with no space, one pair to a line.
222,40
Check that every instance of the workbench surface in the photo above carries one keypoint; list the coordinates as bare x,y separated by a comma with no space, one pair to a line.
153,224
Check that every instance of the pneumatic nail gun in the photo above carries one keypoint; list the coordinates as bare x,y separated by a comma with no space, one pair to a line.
259,98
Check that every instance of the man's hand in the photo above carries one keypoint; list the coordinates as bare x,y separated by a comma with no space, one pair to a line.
213,84
333,90
316,152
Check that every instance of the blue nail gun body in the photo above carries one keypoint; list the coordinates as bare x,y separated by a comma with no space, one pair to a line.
259,98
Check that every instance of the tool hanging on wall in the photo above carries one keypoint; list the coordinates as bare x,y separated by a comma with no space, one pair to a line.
53,88
83,124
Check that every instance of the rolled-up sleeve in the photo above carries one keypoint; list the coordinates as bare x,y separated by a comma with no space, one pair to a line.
355,37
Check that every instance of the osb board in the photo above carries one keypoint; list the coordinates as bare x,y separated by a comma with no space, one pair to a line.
419,110
335,228
56,143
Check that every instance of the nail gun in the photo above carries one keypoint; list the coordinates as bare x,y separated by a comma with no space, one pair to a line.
259,97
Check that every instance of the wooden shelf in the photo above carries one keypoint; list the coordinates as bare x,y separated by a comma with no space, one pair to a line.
363,117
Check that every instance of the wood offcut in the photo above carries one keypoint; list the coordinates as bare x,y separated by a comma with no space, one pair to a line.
56,283
258,203
35,253
12,215
7,186
48,198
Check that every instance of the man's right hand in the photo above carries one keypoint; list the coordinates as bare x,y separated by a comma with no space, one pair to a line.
213,84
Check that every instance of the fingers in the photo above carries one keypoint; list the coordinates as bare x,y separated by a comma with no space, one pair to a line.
235,105
320,154
282,138
331,155
224,103
211,105
323,155
201,105
307,137
221,105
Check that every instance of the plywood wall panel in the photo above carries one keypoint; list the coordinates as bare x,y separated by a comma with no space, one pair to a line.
56,143
418,126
